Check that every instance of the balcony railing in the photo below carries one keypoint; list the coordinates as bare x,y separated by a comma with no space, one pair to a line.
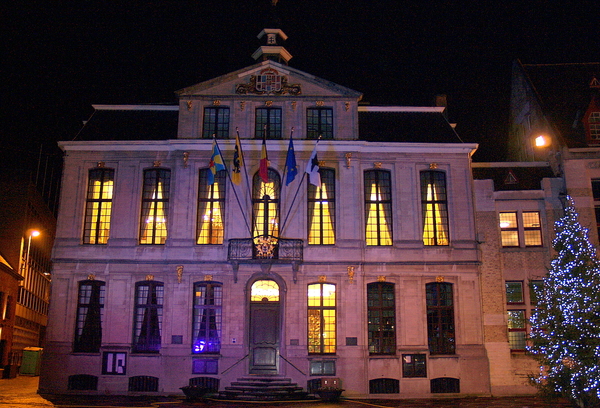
265,247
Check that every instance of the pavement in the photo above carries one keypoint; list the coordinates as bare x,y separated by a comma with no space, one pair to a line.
21,392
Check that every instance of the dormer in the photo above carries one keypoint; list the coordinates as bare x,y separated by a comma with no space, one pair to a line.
591,119
272,51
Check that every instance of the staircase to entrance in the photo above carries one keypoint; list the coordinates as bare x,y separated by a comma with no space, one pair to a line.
264,388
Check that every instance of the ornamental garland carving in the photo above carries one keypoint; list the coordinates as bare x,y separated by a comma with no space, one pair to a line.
268,82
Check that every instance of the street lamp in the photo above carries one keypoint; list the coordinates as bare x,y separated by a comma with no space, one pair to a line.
31,234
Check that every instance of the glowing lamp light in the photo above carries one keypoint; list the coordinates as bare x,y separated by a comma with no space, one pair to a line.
542,141
35,233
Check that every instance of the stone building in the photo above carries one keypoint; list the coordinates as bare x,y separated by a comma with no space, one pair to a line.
26,239
269,225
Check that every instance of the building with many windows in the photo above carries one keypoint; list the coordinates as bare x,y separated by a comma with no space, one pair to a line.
26,238
267,225
270,226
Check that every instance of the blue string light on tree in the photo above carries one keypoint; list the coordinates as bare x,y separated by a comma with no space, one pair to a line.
565,327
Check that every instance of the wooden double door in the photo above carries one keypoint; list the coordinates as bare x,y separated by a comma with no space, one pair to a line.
265,332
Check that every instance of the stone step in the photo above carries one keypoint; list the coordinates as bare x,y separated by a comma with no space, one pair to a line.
257,388
261,384
290,388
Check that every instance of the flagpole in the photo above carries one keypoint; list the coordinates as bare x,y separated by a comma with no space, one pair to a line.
296,194
234,190
244,163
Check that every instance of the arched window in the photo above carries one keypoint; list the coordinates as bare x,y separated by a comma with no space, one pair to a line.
381,315
440,318
90,308
149,297
321,318
434,206
98,206
378,207
321,210
211,207
207,319
155,206
264,290
265,204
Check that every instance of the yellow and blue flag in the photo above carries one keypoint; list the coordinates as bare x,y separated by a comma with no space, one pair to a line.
216,163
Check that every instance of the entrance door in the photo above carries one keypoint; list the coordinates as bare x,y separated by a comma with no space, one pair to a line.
264,327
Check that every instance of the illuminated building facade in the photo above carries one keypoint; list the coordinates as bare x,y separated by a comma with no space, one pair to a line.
267,225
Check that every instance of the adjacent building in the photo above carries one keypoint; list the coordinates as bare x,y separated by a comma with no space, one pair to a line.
26,239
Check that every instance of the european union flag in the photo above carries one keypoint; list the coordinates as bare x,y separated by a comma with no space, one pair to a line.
290,164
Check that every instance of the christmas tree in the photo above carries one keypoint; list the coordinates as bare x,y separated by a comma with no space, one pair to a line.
565,328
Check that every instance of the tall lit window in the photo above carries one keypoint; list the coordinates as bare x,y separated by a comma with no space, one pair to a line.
381,315
155,206
149,296
440,318
532,228
434,207
378,207
509,229
265,204
321,318
321,210
319,122
211,207
216,122
206,325
98,206
268,119
90,308
514,233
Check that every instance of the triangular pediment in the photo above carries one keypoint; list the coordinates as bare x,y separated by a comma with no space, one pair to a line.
269,78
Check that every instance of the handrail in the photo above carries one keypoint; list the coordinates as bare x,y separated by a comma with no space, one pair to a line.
236,363
290,363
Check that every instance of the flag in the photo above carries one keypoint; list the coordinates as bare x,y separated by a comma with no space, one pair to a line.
290,164
263,170
238,162
216,163
312,168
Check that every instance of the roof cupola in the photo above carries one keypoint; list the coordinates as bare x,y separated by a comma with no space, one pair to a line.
272,50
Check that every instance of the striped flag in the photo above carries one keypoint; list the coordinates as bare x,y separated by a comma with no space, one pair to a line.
238,162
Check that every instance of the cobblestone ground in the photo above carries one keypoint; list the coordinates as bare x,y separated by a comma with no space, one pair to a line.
21,392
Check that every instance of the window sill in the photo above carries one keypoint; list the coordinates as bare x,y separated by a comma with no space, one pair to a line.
523,249
138,354
383,356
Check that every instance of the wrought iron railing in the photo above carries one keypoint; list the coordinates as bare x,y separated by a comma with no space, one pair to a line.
266,247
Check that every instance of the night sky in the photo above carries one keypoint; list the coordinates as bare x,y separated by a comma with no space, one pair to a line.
59,57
